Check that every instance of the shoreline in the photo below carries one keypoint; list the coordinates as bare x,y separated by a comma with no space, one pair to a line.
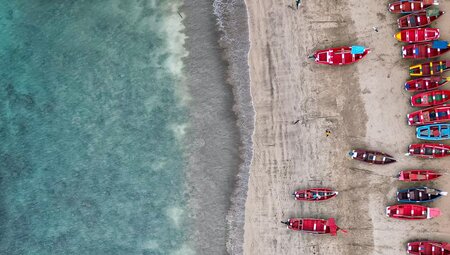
363,105
219,137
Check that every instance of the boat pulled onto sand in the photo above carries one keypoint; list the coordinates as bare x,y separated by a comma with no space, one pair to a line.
314,194
372,157
412,212
313,226
418,175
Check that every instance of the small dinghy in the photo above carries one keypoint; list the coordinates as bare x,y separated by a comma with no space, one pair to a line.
430,98
432,115
418,175
417,35
428,248
372,157
425,83
313,226
412,212
433,132
419,195
411,6
419,19
425,50
428,150
314,194
340,56
429,68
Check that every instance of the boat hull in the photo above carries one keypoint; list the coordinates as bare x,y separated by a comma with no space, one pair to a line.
315,194
425,83
417,35
430,98
411,212
338,56
372,157
408,6
428,248
429,150
422,51
419,195
432,115
313,226
433,132
429,68
417,20
418,175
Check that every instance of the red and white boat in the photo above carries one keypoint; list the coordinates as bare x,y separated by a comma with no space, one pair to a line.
418,175
430,98
432,115
428,248
426,83
411,6
412,212
423,50
416,20
429,68
417,35
429,150
313,226
314,194
340,56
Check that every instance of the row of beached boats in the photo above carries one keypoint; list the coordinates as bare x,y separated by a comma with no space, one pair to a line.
424,43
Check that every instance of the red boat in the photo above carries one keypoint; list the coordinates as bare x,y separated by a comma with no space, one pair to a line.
314,226
423,51
411,6
418,175
430,98
429,68
432,115
417,35
412,212
315,194
428,248
340,56
429,150
425,83
372,157
415,20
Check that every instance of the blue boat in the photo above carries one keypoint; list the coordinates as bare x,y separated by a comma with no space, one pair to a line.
419,195
433,132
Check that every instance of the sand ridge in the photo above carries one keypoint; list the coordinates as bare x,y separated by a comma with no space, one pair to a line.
364,105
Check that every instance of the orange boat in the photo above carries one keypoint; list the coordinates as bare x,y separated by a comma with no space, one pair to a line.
313,226
417,35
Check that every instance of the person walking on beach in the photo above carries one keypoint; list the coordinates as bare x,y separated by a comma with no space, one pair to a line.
327,133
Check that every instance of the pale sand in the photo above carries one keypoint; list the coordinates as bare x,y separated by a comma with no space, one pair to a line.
364,105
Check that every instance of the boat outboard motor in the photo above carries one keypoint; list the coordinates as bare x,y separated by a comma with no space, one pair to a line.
285,222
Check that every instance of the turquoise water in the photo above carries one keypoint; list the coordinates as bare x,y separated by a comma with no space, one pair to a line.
90,128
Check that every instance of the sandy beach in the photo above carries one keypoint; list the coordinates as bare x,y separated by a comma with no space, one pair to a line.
364,105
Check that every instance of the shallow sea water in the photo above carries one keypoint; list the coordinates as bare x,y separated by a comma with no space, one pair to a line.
90,128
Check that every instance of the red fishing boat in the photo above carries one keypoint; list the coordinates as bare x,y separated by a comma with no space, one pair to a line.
429,150
340,56
313,226
436,114
416,20
425,83
315,194
425,50
429,68
417,35
418,175
430,98
428,248
411,6
411,212
372,157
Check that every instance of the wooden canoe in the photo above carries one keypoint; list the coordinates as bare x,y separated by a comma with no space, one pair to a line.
432,115
433,132
428,150
425,83
412,212
417,35
428,248
416,20
418,175
313,226
430,98
338,56
429,68
422,51
410,6
314,194
372,157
